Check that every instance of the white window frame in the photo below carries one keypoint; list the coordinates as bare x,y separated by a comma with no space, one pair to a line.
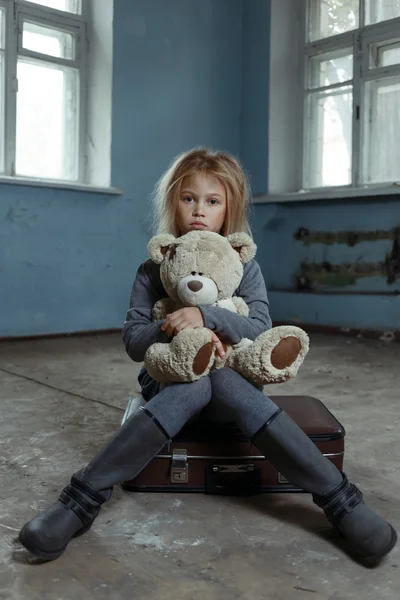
359,39
289,51
15,12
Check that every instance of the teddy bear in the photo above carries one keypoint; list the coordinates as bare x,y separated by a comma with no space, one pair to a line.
203,268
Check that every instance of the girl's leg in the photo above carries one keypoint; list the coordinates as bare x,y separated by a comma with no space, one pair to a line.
128,452
286,446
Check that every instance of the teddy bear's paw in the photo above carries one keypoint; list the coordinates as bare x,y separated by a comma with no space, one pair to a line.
285,350
275,356
195,350
188,357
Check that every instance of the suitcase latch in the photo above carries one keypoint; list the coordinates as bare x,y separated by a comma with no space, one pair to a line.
179,467
233,468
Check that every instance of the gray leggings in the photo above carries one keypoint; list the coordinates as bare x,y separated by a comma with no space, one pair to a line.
223,396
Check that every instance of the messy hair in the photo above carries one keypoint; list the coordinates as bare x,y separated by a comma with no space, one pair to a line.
202,160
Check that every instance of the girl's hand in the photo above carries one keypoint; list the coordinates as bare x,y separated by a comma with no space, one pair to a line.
189,317
182,319
219,348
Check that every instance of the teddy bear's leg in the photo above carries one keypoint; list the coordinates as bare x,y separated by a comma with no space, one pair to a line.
188,357
275,356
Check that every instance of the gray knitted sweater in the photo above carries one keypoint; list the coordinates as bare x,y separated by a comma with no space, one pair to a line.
140,332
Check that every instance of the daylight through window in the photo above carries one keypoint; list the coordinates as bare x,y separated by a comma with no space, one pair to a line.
352,93
41,97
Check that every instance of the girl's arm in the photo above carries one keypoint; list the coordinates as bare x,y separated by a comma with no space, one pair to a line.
139,333
232,327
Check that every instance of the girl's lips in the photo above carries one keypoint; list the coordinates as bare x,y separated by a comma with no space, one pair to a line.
198,225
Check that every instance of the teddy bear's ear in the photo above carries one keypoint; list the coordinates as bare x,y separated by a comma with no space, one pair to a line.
244,245
159,245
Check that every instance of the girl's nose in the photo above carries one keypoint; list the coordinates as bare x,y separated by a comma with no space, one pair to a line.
198,210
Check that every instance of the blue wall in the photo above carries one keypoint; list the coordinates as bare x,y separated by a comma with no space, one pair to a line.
185,73
63,260
67,259
367,306
255,98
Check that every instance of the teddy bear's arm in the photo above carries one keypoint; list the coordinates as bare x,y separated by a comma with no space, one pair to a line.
226,303
162,308
241,306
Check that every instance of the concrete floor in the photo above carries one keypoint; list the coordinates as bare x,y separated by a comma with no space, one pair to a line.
54,415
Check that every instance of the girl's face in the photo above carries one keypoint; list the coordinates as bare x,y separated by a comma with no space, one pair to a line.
201,205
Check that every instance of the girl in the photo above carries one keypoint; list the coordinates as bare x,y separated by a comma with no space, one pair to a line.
205,191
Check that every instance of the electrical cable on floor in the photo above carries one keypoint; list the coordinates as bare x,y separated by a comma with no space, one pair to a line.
53,387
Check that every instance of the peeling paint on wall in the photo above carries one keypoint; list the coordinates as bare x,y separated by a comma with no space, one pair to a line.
392,262
339,275
336,275
350,238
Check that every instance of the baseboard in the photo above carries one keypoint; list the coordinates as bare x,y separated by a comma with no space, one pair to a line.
391,336
46,336
373,334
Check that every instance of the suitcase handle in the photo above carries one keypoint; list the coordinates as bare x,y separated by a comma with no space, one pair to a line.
233,480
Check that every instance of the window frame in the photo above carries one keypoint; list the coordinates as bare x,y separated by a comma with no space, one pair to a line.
16,12
360,40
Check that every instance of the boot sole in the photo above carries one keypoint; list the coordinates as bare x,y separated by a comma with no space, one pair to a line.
375,558
42,554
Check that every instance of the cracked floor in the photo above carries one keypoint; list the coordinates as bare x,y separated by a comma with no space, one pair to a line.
60,401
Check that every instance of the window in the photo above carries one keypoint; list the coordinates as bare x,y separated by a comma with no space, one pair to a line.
351,93
42,89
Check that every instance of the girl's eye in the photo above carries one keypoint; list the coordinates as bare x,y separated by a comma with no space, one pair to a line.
187,199
213,202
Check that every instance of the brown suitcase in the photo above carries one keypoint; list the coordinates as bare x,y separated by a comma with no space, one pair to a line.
219,459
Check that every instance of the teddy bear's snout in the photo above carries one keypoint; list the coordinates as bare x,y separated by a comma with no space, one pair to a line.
197,291
195,286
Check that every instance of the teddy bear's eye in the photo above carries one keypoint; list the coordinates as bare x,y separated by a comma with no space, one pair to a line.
201,274
193,273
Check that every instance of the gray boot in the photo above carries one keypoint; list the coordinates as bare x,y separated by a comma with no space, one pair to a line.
130,450
292,452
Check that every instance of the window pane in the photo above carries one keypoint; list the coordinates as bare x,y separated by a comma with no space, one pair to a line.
72,6
381,10
46,40
382,131
329,129
47,120
331,17
2,25
330,68
384,54
1,112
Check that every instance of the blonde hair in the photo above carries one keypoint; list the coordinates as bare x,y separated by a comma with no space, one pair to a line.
202,160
